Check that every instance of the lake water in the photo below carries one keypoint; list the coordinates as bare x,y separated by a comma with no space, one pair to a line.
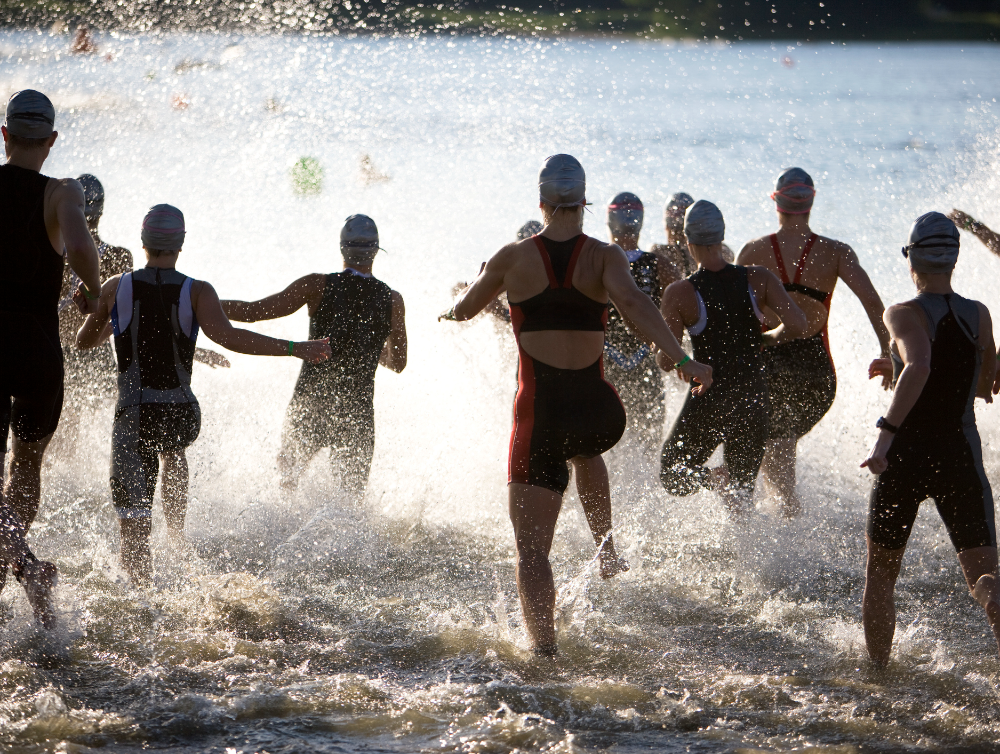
311,625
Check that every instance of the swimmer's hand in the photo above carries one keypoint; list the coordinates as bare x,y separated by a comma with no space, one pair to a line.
881,368
448,315
996,383
85,303
700,373
211,358
876,461
963,220
313,351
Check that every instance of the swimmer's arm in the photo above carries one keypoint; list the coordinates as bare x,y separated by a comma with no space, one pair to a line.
666,270
966,222
393,354
854,275
793,320
81,253
988,372
215,324
485,288
907,329
96,328
677,307
306,291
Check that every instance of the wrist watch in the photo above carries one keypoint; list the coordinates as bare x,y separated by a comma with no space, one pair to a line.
883,424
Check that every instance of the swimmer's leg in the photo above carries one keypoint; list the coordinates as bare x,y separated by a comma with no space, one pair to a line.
595,496
779,474
878,608
134,467
534,512
298,445
979,564
23,490
174,488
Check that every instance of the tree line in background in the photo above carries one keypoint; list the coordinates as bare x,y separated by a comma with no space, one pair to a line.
733,20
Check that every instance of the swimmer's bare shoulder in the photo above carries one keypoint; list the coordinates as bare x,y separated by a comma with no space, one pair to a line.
757,251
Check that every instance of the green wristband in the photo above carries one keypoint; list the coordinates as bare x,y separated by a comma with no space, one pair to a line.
87,293
682,362
291,348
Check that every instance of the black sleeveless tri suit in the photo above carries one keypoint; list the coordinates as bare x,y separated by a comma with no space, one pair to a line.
31,365
733,412
333,403
937,452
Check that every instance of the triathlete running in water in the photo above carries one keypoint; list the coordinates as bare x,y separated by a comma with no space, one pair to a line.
720,306
629,363
800,373
558,284
928,445
675,251
990,238
39,217
155,314
333,405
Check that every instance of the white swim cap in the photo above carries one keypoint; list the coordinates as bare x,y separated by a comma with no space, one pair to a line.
625,213
562,182
163,228
359,237
934,242
794,192
704,224
30,115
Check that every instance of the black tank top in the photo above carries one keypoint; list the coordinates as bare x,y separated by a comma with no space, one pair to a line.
560,306
30,269
625,348
946,402
356,315
731,339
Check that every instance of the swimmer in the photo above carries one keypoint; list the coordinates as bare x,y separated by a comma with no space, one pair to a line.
928,446
558,284
333,402
720,305
800,373
675,251
629,363
990,238
155,314
91,375
39,217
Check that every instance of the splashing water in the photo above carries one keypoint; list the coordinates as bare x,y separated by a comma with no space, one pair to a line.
319,624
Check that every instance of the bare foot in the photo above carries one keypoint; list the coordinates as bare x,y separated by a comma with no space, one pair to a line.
39,578
612,565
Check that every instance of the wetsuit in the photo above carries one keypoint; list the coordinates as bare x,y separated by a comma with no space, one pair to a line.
559,414
800,373
629,363
31,365
937,452
733,412
155,332
333,403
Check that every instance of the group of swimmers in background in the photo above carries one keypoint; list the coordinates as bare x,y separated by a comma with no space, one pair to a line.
588,317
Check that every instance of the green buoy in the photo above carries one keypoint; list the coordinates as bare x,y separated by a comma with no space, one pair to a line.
307,176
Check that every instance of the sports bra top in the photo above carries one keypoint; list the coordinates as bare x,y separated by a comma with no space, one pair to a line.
794,285
561,306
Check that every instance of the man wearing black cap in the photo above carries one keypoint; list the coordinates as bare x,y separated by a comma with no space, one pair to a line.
333,403
39,218
800,373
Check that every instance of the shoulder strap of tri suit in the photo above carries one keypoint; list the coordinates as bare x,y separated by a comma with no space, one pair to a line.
805,255
547,261
779,259
568,280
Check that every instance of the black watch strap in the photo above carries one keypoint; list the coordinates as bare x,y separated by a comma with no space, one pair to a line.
883,424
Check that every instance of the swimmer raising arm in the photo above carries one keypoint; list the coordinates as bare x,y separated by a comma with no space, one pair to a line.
500,271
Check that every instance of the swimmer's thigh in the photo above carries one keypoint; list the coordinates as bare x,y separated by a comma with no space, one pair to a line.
352,445
896,496
31,375
964,499
746,433
696,433
169,427
134,465
304,429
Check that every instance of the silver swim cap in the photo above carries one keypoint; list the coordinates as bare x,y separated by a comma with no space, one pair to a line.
625,213
562,182
933,246
93,194
163,228
703,224
529,229
30,115
359,237
673,211
794,192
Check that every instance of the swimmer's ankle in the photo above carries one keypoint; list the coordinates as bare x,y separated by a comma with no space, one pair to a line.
546,650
